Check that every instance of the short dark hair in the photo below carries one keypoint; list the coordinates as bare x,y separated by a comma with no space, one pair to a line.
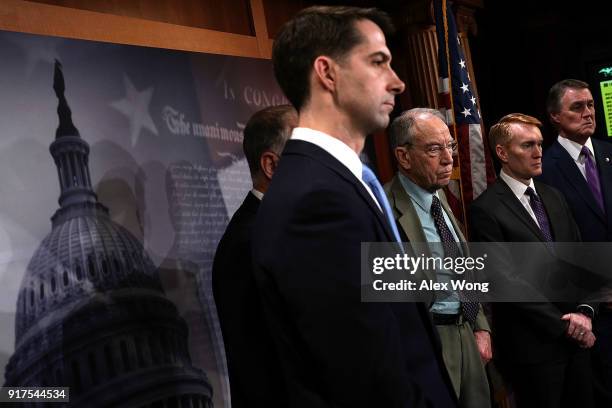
267,130
316,31
556,92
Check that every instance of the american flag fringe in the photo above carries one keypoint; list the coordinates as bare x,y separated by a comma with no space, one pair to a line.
473,166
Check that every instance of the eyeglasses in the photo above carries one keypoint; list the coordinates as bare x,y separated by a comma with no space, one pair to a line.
435,150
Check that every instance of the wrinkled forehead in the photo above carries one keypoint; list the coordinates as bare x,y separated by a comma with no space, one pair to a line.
432,130
573,95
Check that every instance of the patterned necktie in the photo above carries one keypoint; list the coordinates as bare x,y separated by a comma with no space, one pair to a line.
451,249
370,179
540,213
592,176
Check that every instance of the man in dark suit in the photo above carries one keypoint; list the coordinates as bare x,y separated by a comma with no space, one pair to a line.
567,162
334,66
423,148
254,369
540,346
581,168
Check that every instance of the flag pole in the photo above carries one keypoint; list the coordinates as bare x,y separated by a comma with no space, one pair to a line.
452,107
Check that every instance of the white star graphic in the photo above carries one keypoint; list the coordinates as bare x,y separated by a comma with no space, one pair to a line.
135,105
466,112
462,64
464,87
473,99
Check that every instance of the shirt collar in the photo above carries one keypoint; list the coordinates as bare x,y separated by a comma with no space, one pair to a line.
257,194
516,186
331,145
419,195
574,148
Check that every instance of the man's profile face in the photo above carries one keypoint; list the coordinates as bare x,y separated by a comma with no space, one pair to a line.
366,83
430,167
522,155
576,118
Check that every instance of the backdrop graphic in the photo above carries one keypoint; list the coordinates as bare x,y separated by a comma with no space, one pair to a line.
113,297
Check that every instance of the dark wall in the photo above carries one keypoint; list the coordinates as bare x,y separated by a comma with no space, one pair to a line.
523,47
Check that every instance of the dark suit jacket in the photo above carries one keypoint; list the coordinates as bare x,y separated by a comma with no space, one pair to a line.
525,332
410,225
560,171
337,351
254,370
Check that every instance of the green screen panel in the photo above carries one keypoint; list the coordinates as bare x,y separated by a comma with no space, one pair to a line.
606,98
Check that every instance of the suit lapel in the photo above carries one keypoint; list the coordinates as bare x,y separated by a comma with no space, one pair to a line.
408,219
515,206
320,155
454,221
567,167
555,214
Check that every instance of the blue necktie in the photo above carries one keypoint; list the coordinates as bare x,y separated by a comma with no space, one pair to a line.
370,179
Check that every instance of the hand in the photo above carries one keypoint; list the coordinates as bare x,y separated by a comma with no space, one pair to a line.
588,340
483,342
579,325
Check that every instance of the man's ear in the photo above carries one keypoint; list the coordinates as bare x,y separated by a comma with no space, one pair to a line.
501,153
268,162
403,159
325,71
554,118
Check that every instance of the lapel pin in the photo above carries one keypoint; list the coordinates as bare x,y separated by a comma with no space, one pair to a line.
607,159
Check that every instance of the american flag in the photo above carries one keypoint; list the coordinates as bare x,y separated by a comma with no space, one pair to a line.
473,168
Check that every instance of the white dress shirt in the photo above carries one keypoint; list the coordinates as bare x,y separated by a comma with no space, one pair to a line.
574,149
337,148
519,189
257,194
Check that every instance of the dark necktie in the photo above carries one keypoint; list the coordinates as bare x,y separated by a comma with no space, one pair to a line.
592,176
370,179
540,213
451,249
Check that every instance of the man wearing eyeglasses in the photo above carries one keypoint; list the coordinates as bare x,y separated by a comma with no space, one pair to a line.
424,148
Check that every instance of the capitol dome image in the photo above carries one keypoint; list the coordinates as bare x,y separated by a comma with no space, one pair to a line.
91,311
